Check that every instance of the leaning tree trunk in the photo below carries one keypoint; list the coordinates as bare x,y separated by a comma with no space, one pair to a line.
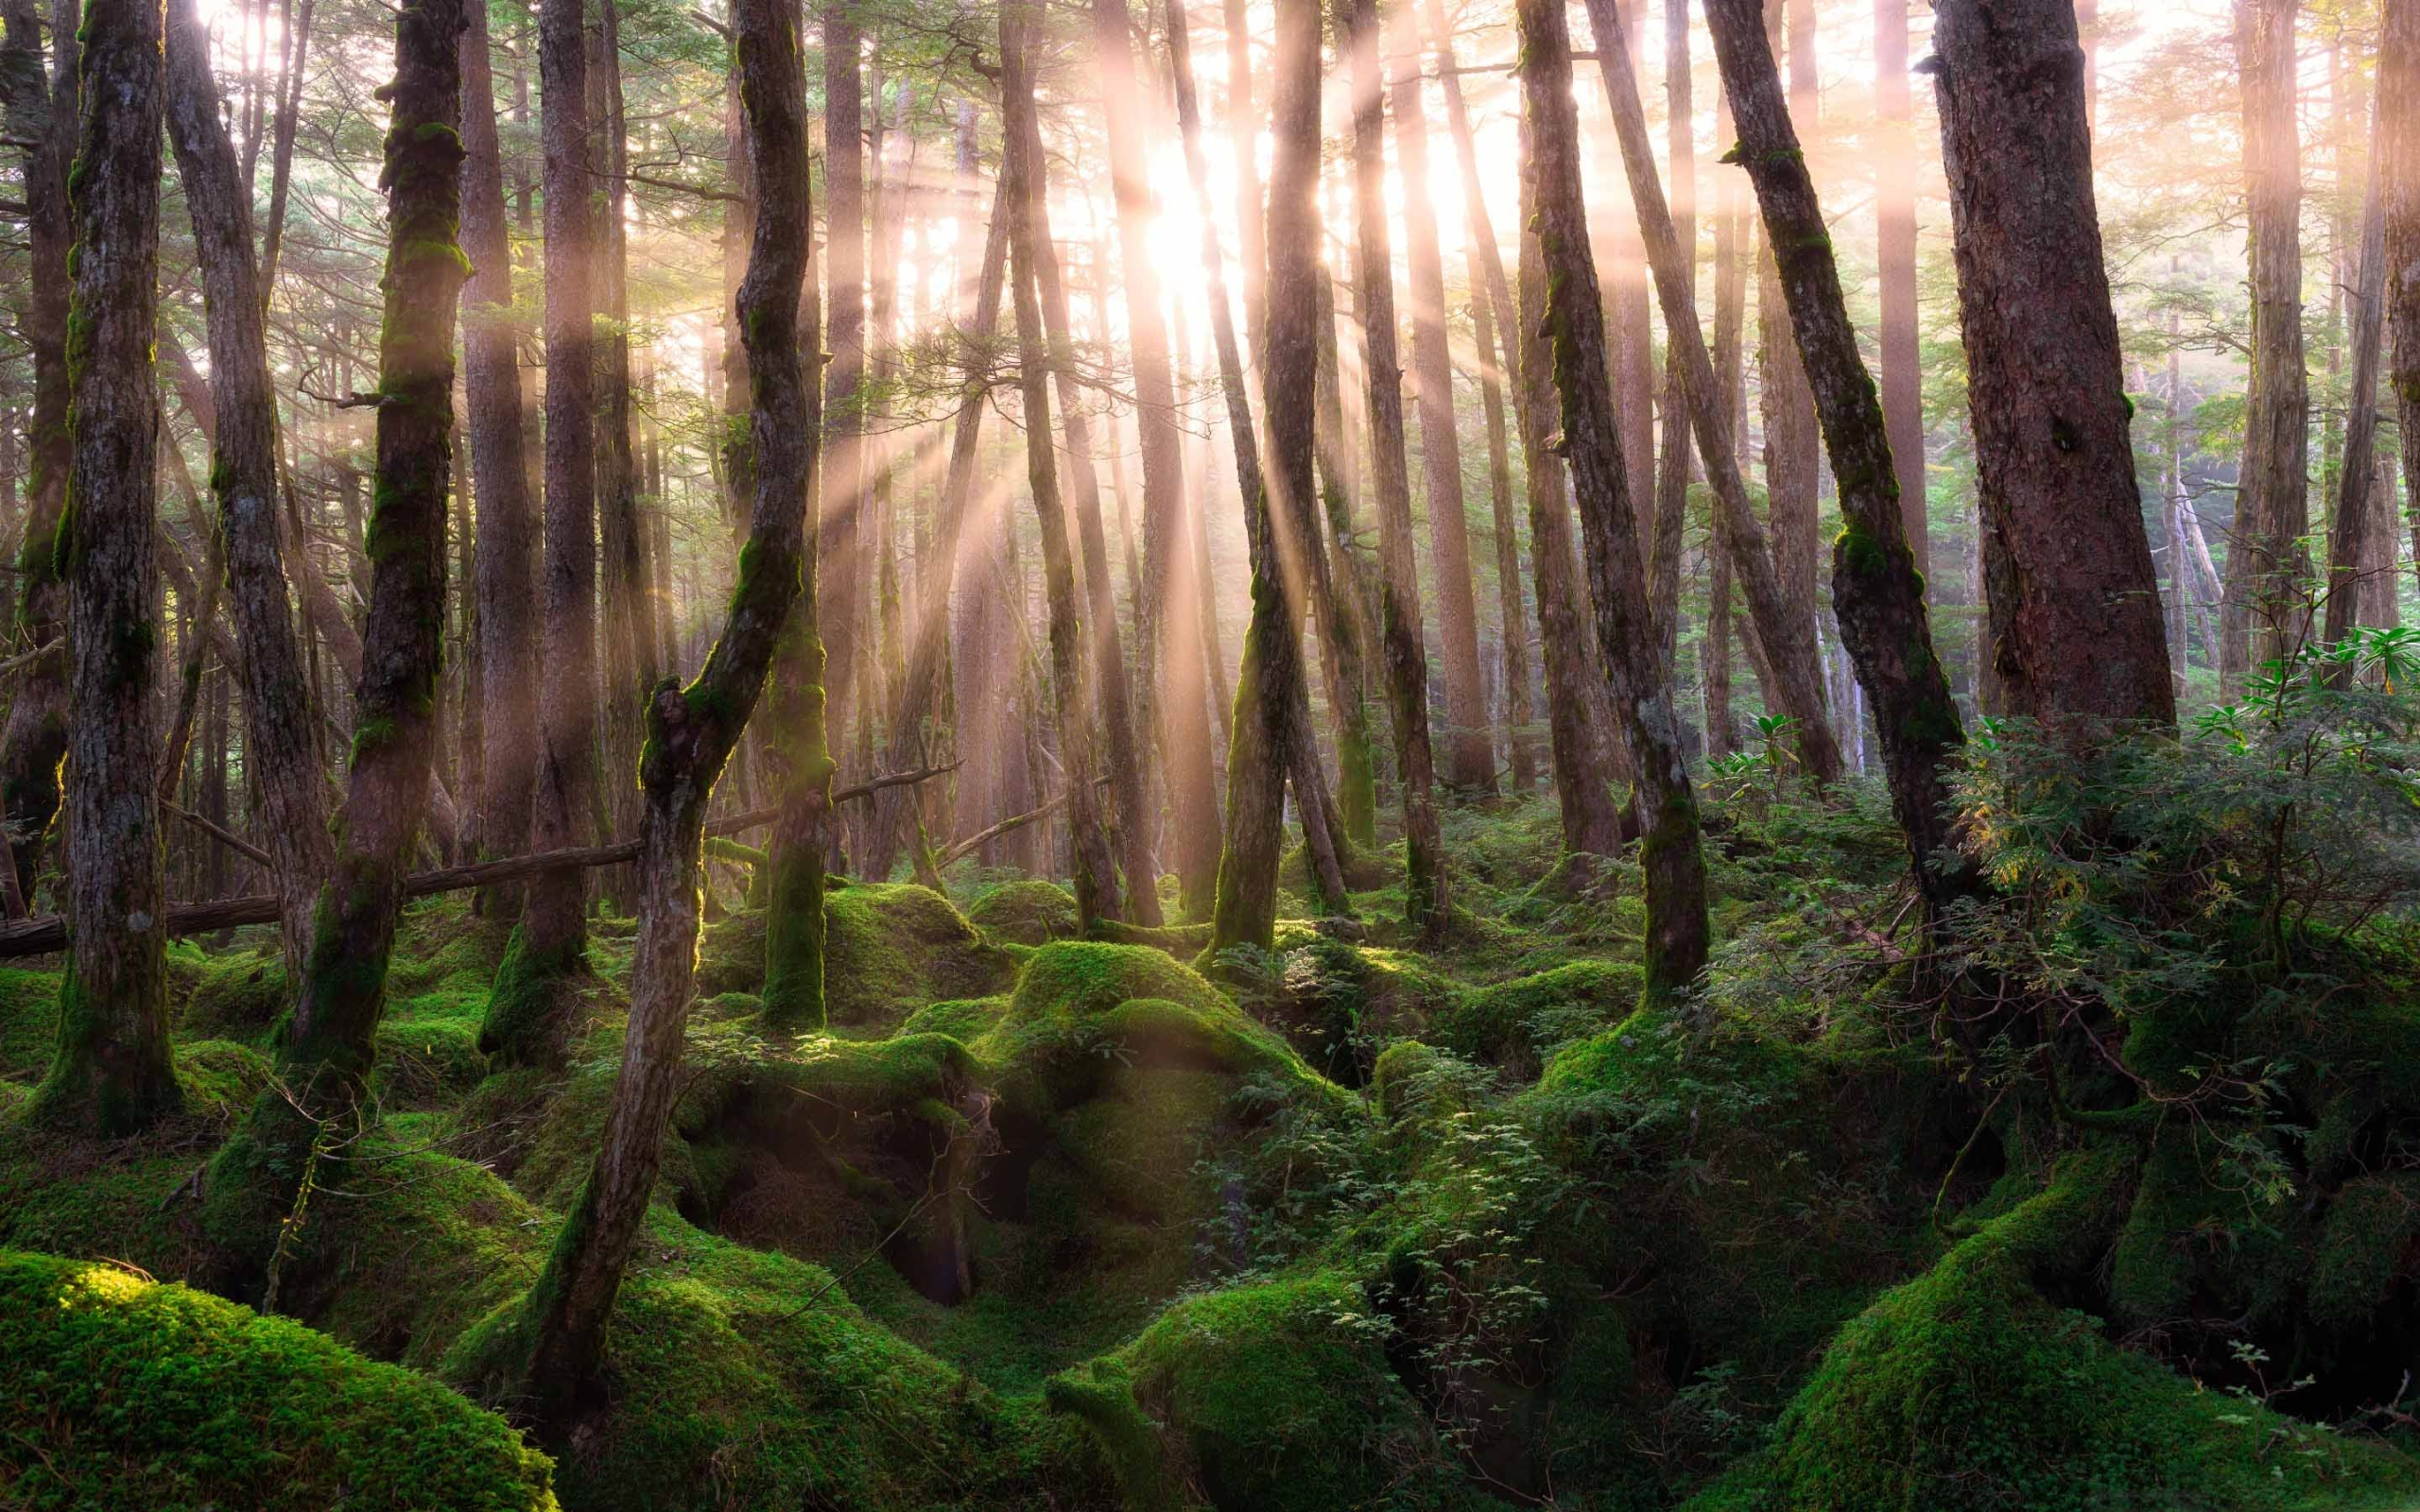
1798,677
34,739
323,1065
2074,597
112,1073
1876,593
508,580
1792,445
1670,858
2398,134
1470,754
548,1350
1096,867
280,751
1427,888
528,1013
2263,618
2351,546
1167,640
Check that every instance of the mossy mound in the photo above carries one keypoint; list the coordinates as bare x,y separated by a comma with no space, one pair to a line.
123,1393
1267,1398
1968,1388
1338,1002
238,995
889,947
1518,1024
28,1023
1030,912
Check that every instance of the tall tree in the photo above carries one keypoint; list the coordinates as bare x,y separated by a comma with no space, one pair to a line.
2265,564
545,1352
1426,887
1167,642
2399,137
1470,755
112,1072
1097,894
842,481
2073,595
34,739
1670,857
1876,593
1793,441
324,1063
2351,545
507,571
281,752
529,1012
1894,218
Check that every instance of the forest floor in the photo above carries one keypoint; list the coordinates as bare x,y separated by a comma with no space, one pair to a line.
1047,1222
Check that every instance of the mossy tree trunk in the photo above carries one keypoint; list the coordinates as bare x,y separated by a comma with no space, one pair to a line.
1670,857
507,573
841,481
2075,598
1168,639
324,1066
1470,752
1876,593
2399,137
34,738
1427,890
1895,217
112,1072
1344,610
528,1013
1097,893
547,1357
282,752
1797,667
1793,462
2353,544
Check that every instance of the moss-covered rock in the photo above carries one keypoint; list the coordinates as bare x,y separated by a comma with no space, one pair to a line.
1026,912
1518,1024
118,1392
889,949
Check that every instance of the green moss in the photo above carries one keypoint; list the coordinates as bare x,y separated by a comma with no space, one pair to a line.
1029,912
889,949
123,1393
1966,1388
2365,1247
1516,1024
530,1012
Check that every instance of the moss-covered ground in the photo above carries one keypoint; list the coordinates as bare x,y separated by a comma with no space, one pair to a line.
1048,1221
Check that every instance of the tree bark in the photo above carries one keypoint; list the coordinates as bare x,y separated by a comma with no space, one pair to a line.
1675,948
529,1011
2263,617
507,585
558,1337
1797,670
842,482
280,747
1427,888
1097,894
1346,601
1894,216
112,1073
2351,551
1470,754
2074,597
2398,134
34,739
1167,640
1792,444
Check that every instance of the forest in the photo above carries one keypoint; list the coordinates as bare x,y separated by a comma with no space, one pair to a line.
1065,756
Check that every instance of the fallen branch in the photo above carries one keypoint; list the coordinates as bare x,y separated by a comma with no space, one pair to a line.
231,841
39,937
981,837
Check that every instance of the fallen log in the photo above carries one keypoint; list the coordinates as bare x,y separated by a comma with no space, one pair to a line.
48,933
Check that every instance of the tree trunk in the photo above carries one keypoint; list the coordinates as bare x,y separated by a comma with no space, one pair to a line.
1669,533
1096,895
1674,951
1521,744
2074,597
34,739
1470,755
1243,123
843,484
508,578
2272,511
112,1073
1427,888
2398,136
2350,549
280,748
1167,641
324,1063
1894,215
1792,445
1344,607
1797,671
528,1013
549,1352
